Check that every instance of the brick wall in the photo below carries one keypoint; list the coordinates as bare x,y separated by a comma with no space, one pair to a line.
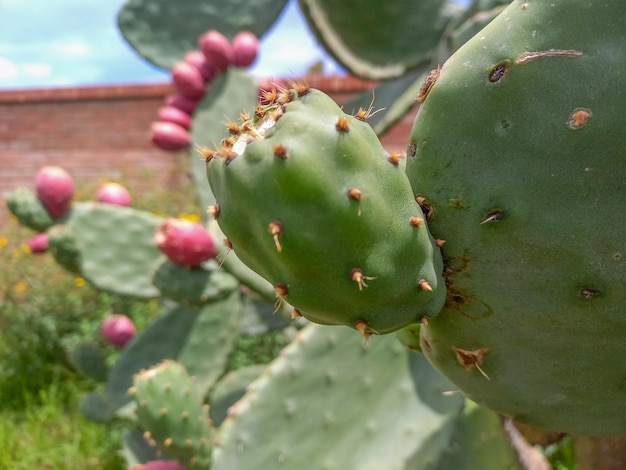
102,132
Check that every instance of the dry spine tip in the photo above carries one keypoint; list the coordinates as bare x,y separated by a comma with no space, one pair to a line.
342,125
357,276
424,285
276,230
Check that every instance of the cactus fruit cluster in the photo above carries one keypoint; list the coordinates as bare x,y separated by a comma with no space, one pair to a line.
192,79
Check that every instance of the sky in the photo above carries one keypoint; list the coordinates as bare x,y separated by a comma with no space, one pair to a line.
50,43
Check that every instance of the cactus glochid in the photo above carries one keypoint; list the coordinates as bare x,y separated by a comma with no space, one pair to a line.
309,199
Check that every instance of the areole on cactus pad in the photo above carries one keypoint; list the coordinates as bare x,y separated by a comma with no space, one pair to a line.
519,148
310,200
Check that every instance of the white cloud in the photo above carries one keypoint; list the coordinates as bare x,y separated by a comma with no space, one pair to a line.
36,70
71,48
8,70
16,72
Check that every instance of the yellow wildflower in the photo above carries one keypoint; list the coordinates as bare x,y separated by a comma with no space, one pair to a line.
25,248
189,217
21,287
4,241
79,282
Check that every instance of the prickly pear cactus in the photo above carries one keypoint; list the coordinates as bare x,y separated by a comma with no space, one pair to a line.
172,412
311,201
519,149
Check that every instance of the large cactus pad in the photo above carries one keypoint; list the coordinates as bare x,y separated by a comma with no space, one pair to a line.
310,200
519,148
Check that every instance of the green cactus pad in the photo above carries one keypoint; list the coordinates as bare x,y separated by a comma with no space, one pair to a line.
230,389
171,410
62,245
519,148
88,358
479,441
162,31
195,286
330,401
136,449
379,39
231,93
312,202
116,246
233,265
30,212
201,338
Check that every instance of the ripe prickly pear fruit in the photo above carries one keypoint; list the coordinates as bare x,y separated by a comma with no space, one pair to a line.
217,50
170,136
159,465
198,60
182,102
118,329
312,202
113,193
38,243
184,242
188,80
55,189
518,147
245,47
175,115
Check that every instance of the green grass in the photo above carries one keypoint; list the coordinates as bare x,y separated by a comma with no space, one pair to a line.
51,434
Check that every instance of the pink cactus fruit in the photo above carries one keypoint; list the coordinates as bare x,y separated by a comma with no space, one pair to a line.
118,329
245,47
113,193
216,49
38,243
188,80
182,102
175,115
159,465
185,242
198,60
55,189
169,136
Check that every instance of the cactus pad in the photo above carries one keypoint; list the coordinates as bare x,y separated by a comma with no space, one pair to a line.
310,200
171,410
519,149
29,210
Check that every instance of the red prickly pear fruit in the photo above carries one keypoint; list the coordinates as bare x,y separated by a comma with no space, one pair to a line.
113,193
182,102
118,329
39,243
55,189
170,136
245,47
184,242
198,60
175,115
188,80
159,465
216,49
